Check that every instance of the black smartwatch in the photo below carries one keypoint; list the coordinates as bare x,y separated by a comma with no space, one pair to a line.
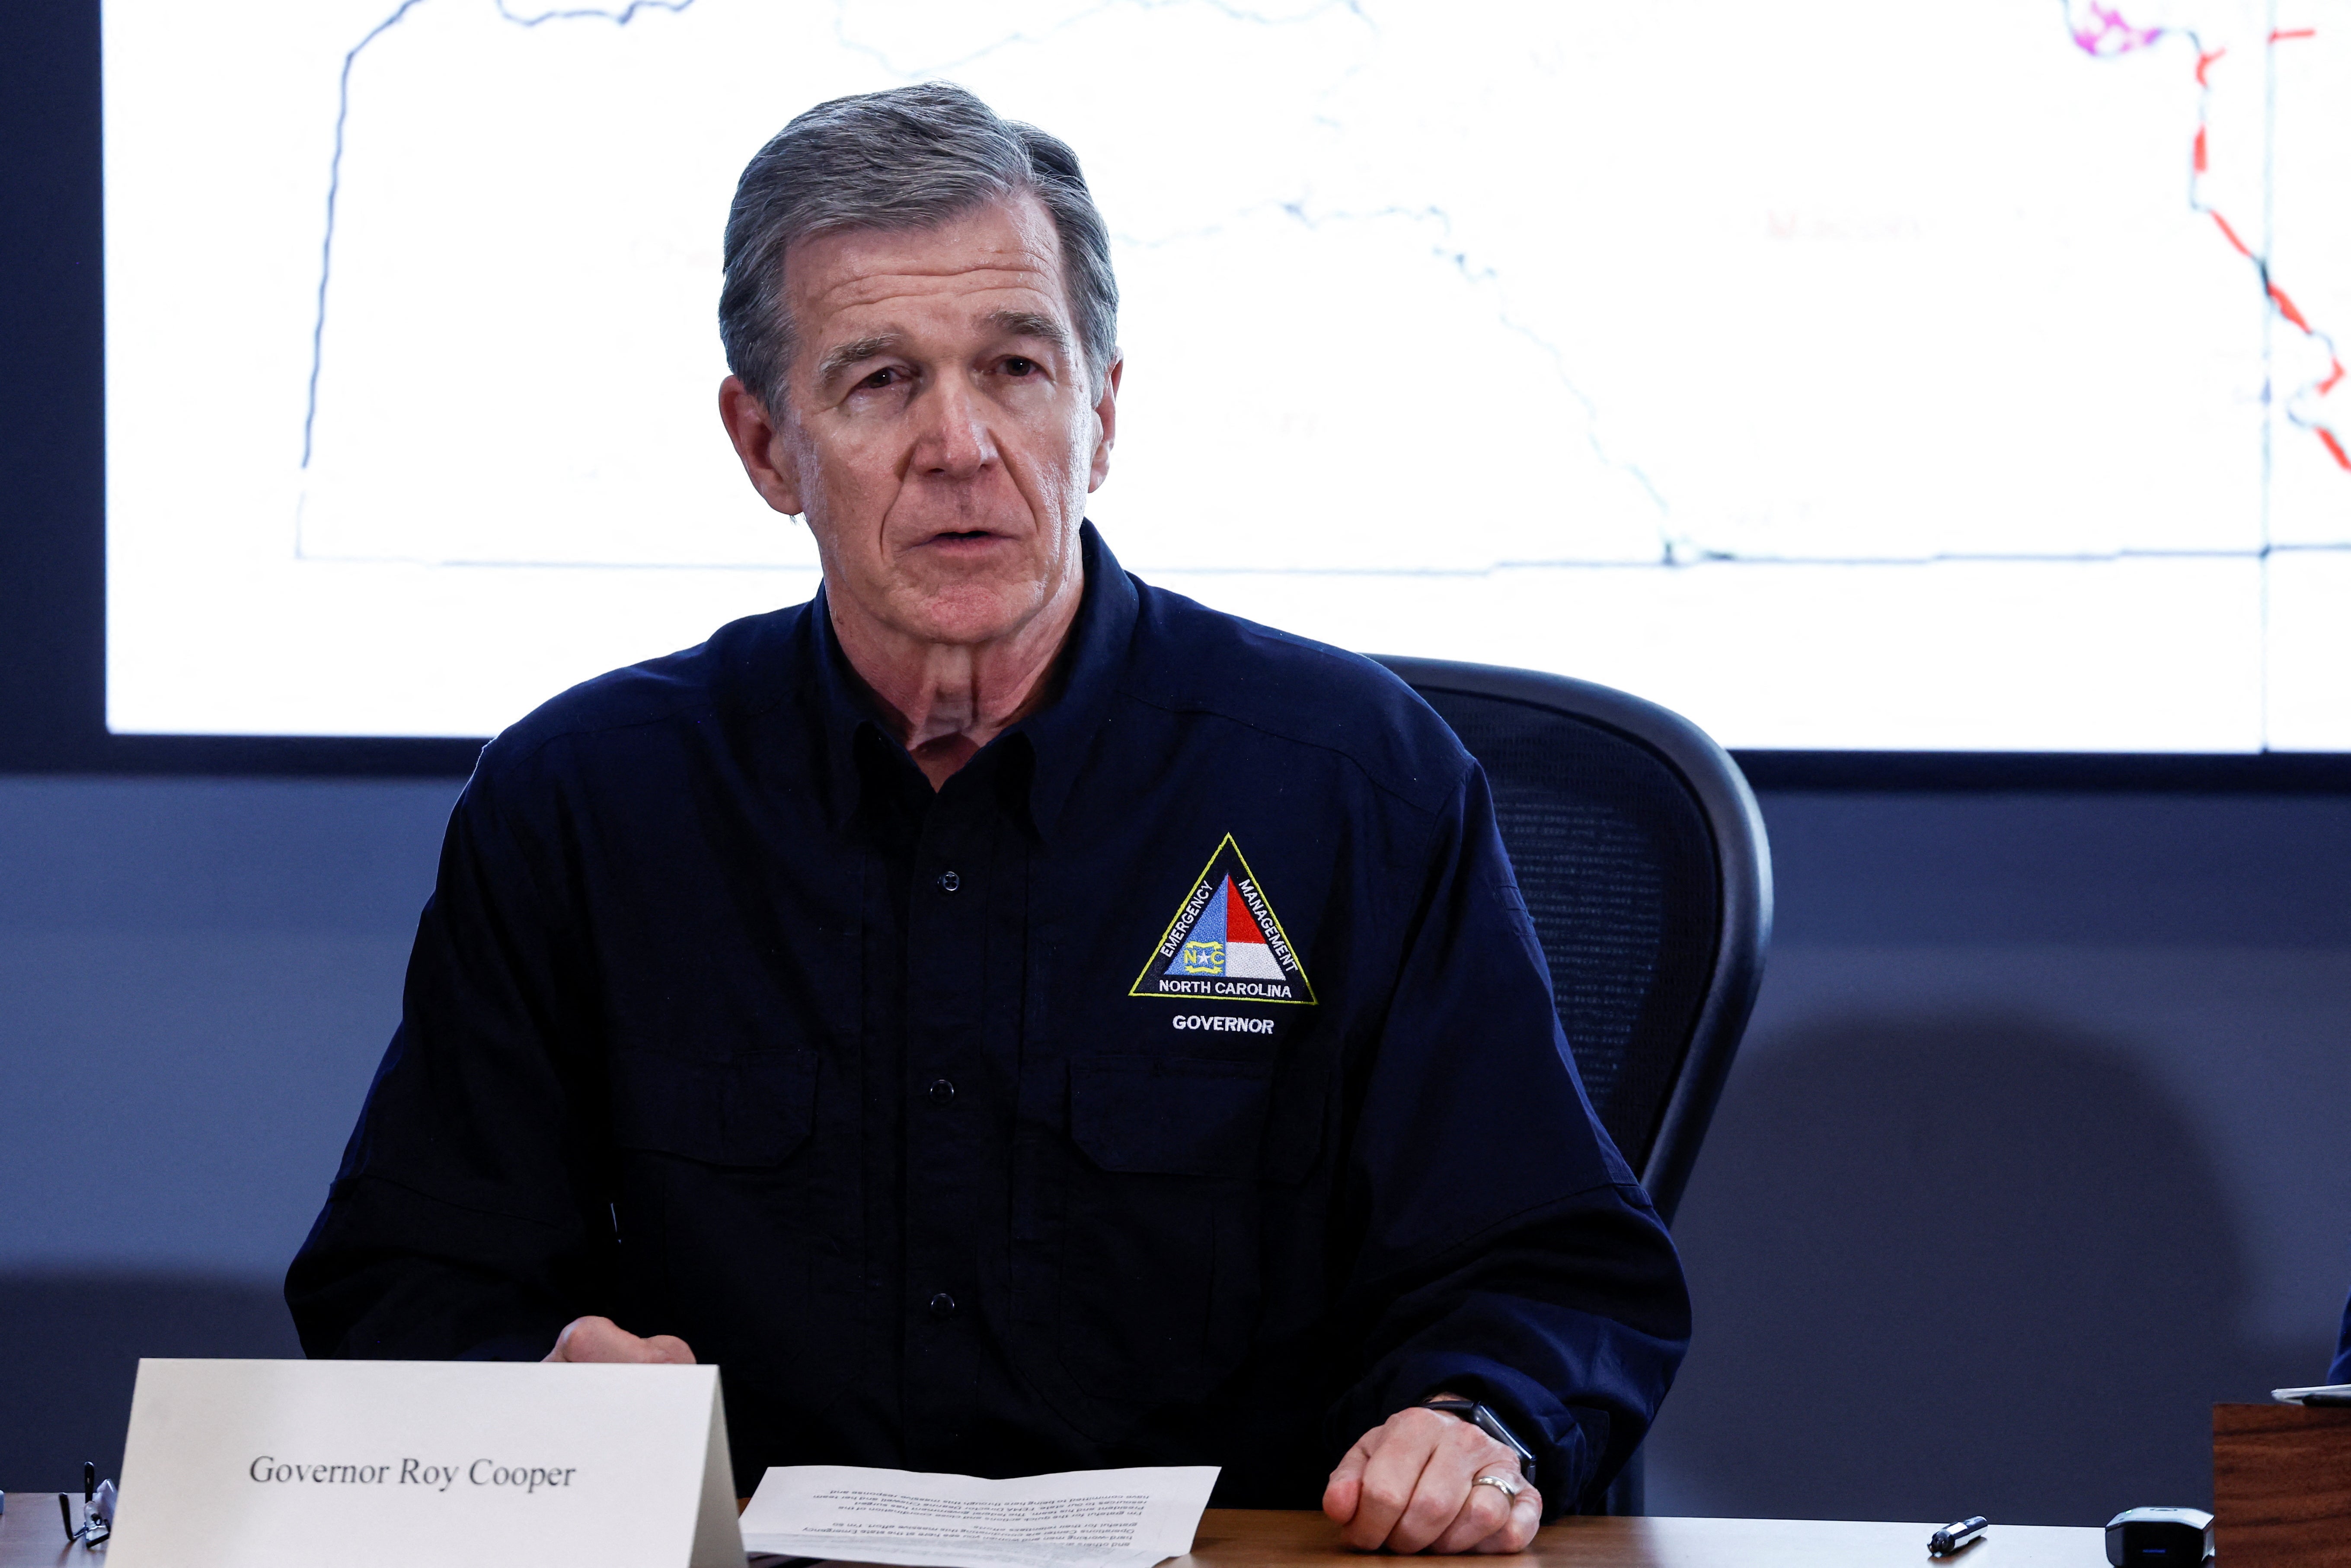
1485,1421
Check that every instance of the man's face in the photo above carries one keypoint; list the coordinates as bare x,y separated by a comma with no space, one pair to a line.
939,431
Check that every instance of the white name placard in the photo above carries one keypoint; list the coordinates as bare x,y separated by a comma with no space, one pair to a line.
389,1464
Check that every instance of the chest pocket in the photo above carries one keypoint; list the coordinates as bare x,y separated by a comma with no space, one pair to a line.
1159,1275
736,1204
752,1110
1169,1116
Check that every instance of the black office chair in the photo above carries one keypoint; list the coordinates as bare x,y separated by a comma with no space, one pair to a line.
1642,857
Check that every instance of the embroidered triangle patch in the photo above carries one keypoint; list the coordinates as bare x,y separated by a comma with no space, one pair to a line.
1225,942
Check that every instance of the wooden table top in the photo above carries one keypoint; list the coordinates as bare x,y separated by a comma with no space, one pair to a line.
31,1532
1243,1538
31,1537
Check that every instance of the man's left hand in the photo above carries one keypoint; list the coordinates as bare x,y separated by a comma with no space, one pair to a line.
1410,1485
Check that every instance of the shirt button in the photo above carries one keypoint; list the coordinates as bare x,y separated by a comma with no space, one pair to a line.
949,882
942,1306
941,1091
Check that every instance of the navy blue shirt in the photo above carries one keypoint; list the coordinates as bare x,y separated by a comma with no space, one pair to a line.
1178,1084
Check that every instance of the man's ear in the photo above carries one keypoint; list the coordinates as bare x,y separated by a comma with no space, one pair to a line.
761,444
1106,411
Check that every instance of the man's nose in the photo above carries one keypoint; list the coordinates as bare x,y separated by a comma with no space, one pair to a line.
954,443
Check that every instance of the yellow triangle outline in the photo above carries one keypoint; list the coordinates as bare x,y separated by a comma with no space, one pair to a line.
1184,902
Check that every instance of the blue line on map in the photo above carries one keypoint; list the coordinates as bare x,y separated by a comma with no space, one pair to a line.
1230,12
1477,274
620,19
334,189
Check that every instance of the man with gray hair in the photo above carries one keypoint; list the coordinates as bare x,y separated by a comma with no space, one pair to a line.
1010,1017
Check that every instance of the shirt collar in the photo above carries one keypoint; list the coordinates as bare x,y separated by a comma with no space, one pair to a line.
1059,736
1063,733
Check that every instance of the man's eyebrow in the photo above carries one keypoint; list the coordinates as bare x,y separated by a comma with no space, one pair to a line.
853,352
1017,324
1031,324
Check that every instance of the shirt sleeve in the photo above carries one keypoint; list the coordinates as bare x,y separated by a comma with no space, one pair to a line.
1503,1251
471,1217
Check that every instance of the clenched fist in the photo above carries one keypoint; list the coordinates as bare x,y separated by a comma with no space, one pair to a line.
1411,1485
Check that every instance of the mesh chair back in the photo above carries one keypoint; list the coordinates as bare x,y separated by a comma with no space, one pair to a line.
1641,855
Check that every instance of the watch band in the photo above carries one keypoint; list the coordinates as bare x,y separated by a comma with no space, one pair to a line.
1485,1421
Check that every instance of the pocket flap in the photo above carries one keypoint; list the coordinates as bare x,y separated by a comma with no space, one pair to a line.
1169,1115
749,1110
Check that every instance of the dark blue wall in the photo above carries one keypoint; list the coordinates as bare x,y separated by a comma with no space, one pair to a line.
196,979
2034,1151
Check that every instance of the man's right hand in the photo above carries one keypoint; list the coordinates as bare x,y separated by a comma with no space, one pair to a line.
601,1339
1410,1485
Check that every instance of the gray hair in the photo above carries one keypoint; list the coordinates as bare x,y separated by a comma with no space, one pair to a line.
909,158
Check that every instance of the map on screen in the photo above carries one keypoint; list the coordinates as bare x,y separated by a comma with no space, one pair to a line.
1840,373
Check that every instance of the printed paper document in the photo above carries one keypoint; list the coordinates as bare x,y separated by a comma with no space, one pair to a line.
1080,1519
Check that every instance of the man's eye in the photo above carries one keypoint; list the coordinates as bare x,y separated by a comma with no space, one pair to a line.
888,376
1017,366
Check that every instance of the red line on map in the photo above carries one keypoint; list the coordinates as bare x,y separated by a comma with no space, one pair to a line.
2108,34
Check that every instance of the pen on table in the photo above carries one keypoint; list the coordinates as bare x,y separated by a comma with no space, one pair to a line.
1951,1537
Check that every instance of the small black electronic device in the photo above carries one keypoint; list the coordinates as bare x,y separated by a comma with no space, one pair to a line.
1485,1421
2160,1538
